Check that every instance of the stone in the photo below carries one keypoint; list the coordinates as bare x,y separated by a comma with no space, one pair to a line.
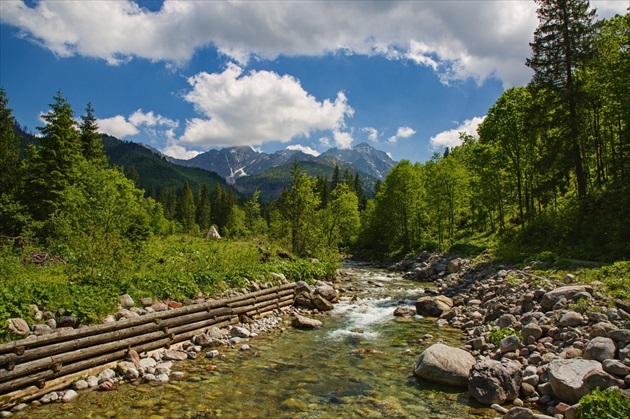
67,321
42,329
327,292
80,385
49,398
202,340
404,312
302,322
509,344
124,366
506,320
531,330
551,298
433,306
453,266
619,335
126,301
601,379
518,412
175,355
491,382
148,363
69,396
159,306
92,381
240,332
570,318
321,303
212,354
566,378
600,349
443,364
105,375
19,326
132,374
616,367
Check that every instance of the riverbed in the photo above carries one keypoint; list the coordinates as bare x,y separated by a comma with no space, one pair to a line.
360,364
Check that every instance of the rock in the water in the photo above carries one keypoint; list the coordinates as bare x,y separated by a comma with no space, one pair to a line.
493,382
552,297
69,396
433,306
404,312
175,356
600,349
518,412
566,377
302,322
443,364
240,332
321,303
327,292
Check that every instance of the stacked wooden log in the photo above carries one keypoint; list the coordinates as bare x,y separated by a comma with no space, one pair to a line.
35,366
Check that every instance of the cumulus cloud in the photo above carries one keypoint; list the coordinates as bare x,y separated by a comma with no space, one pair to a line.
372,133
149,119
304,149
471,39
256,108
343,139
174,150
117,126
153,125
402,132
450,138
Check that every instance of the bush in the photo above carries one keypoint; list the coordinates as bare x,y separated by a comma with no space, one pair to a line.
604,404
497,335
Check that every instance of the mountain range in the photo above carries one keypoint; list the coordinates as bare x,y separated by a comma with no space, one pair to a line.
232,163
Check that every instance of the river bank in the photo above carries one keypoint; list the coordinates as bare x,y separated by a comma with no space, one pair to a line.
534,341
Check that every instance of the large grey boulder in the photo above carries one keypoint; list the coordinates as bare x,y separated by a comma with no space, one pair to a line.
598,378
433,306
493,382
567,378
302,322
600,349
550,298
444,364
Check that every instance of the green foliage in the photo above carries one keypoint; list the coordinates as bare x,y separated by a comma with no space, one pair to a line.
497,335
604,404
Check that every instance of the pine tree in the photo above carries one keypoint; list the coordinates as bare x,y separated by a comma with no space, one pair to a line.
91,144
54,165
9,148
186,209
562,43
203,208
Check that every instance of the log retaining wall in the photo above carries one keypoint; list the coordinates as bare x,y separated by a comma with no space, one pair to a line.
34,366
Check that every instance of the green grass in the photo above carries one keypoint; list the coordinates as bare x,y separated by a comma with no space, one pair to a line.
175,267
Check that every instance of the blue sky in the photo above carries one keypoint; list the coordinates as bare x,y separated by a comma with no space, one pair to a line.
188,76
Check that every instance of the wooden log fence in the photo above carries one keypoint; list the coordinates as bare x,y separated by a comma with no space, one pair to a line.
34,366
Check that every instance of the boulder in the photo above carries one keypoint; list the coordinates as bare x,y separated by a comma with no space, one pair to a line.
567,378
552,297
619,335
570,318
19,326
172,355
600,349
531,330
599,378
433,306
509,344
443,364
404,312
491,382
126,301
327,292
302,322
321,303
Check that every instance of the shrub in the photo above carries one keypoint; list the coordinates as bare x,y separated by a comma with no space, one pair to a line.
604,404
497,335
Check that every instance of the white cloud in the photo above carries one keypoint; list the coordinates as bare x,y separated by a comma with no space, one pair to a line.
150,119
179,152
372,133
117,126
343,139
450,138
304,149
256,108
324,142
402,132
459,40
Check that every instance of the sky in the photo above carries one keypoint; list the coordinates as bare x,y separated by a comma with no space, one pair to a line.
188,76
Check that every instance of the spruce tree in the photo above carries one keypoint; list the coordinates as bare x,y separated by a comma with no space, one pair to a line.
91,144
562,43
54,165
186,209
203,208
9,148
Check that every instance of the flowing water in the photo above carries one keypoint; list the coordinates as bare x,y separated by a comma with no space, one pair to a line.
360,364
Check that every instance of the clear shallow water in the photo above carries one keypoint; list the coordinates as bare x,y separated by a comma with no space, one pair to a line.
358,365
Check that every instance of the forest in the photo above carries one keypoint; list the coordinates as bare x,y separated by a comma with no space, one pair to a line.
547,177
